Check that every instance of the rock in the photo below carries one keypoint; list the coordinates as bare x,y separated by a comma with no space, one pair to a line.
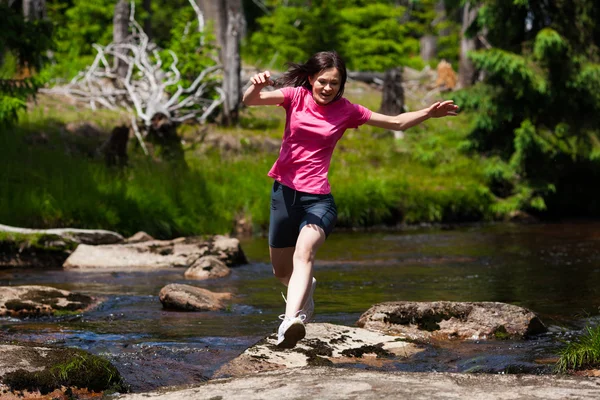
86,236
36,368
85,129
36,250
227,250
181,252
452,320
353,383
207,268
190,298
46,247
27,301
139,238
324,345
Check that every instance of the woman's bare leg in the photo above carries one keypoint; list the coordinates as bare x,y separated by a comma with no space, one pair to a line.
299,282
282,260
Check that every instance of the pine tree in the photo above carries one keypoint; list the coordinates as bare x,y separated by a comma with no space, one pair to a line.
538,110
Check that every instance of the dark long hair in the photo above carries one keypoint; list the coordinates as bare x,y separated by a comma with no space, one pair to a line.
297,74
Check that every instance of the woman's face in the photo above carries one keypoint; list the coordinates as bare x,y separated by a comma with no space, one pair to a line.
325,85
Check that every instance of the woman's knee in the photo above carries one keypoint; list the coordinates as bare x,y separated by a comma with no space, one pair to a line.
310,239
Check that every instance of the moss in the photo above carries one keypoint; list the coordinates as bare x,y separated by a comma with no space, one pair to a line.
37,241
315,355
341,339
360,351
68,368
501,334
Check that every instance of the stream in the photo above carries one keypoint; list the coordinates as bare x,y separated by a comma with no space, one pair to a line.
552,269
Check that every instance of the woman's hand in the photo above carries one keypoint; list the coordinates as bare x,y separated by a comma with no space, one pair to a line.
261,79
442,109
255,96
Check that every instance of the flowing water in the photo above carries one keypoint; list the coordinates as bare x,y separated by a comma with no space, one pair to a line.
552,269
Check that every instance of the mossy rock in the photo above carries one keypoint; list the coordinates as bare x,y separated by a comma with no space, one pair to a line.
33,301
51,368
38,249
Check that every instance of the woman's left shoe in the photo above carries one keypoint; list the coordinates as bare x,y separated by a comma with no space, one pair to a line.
291,331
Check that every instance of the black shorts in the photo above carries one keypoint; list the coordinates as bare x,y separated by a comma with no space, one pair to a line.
291,210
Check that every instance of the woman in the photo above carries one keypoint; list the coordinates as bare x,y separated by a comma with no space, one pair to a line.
303,211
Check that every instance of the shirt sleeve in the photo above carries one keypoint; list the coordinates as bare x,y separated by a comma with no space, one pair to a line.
359,115
288,96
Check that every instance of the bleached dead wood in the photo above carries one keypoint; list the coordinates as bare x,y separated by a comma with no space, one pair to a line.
144,90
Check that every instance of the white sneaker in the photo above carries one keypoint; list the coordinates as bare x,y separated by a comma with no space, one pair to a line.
291,331
308,308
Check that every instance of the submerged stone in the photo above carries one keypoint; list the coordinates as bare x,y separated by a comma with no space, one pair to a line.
27,301
189,298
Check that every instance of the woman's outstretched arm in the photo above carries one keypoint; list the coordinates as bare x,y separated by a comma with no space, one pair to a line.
254,95
404,121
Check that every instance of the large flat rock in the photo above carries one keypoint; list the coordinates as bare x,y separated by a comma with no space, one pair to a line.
345,384
324,345
156,254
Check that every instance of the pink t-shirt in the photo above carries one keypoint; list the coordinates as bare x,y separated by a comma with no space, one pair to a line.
311,133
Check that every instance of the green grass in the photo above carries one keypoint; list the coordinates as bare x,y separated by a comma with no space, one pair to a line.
582,353
376,178
37,241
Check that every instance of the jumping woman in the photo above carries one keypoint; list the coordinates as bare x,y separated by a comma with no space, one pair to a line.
303,212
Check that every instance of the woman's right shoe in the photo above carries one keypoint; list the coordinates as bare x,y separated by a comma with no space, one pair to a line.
291,331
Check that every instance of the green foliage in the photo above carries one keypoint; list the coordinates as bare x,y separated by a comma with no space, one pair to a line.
13,96
538,109
79,24
581,353
26,39
549,45
185,43
22,44
370,35
372,39
9,108
284,34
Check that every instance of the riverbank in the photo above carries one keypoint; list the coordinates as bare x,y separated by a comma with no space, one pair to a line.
54,176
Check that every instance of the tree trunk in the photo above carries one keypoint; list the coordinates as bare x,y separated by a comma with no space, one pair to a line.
34,9
466,69
230,58
392,98
120,32
428,47
429,41
229,26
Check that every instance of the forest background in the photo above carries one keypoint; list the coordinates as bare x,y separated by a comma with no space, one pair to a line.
526,142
